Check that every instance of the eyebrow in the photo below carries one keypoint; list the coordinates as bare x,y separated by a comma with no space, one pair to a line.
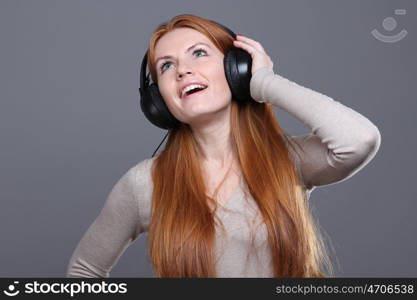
190,48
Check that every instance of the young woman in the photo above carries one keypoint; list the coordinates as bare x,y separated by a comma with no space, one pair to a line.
228,195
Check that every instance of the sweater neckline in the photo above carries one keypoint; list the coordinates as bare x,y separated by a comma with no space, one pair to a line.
231,201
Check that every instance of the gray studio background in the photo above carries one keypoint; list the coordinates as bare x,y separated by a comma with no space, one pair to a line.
71,125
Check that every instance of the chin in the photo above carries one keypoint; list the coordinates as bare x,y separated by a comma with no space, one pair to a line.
205,113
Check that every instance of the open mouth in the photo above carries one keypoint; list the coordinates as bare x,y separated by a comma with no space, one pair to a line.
194,91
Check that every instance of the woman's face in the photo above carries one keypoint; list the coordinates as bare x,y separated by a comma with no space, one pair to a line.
193,57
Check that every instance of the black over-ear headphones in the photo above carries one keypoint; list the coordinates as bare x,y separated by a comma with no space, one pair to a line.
237,68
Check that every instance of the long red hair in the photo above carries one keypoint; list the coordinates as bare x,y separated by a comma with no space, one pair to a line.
182,226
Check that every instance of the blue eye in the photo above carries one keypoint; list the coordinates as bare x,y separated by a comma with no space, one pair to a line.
162,66
195,51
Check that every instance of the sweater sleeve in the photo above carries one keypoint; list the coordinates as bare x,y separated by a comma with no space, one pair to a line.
341,141
114,229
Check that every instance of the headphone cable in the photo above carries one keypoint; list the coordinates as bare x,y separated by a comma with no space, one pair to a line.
161,143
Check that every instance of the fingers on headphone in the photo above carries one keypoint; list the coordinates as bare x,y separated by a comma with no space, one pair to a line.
251,42
249,48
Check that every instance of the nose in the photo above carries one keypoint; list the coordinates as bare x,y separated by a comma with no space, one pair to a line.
182,70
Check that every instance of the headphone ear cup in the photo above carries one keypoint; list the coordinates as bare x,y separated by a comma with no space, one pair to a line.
237,67
154,108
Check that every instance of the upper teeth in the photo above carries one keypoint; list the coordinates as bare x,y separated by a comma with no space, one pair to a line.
190,87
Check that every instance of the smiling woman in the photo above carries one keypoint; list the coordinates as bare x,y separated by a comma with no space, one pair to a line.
187,58
228,195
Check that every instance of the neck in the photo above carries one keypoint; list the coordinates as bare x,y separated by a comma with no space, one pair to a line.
213,137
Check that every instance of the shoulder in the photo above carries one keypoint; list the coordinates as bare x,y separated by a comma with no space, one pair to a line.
142,168
133,186
140,174
141,185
